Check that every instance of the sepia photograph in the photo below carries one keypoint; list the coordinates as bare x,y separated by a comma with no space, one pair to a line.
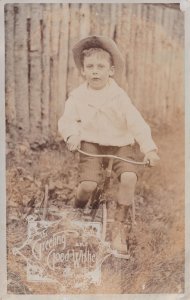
95,148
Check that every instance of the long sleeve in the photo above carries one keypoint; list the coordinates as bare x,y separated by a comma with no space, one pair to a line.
69,123
139,128
107,118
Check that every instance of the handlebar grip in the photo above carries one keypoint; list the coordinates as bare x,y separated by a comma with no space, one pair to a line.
147,163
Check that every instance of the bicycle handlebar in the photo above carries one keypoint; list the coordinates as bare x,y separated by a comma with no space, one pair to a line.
142,163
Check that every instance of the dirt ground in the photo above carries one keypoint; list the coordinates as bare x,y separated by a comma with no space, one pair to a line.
157,259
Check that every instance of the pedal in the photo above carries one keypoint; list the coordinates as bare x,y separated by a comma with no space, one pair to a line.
87,211
87,218
110,220
120,255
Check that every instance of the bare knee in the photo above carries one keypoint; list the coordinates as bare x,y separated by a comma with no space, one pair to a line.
88,186
128,178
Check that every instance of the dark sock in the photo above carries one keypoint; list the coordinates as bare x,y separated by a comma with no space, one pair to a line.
79,203
121,212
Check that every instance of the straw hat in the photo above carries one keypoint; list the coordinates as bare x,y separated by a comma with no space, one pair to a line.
106,44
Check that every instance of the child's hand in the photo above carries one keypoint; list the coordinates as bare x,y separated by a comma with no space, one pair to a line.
152,157
73,142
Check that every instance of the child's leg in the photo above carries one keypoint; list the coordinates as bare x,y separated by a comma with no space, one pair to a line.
126,194
84,192
90,173
125,199
126,190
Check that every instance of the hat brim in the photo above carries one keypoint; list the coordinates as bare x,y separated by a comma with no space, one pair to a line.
106,44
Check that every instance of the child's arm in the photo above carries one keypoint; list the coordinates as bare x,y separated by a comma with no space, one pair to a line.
141,132
73,142
152,157
69,126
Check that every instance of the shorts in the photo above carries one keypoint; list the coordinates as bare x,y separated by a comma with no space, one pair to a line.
90,168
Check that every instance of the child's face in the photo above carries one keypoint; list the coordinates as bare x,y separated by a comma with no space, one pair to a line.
97,70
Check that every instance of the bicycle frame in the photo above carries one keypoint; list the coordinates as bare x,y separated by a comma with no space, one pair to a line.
97,197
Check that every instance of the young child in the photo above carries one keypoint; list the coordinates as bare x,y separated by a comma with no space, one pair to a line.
99,118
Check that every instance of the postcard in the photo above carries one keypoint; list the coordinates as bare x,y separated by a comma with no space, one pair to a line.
95,150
